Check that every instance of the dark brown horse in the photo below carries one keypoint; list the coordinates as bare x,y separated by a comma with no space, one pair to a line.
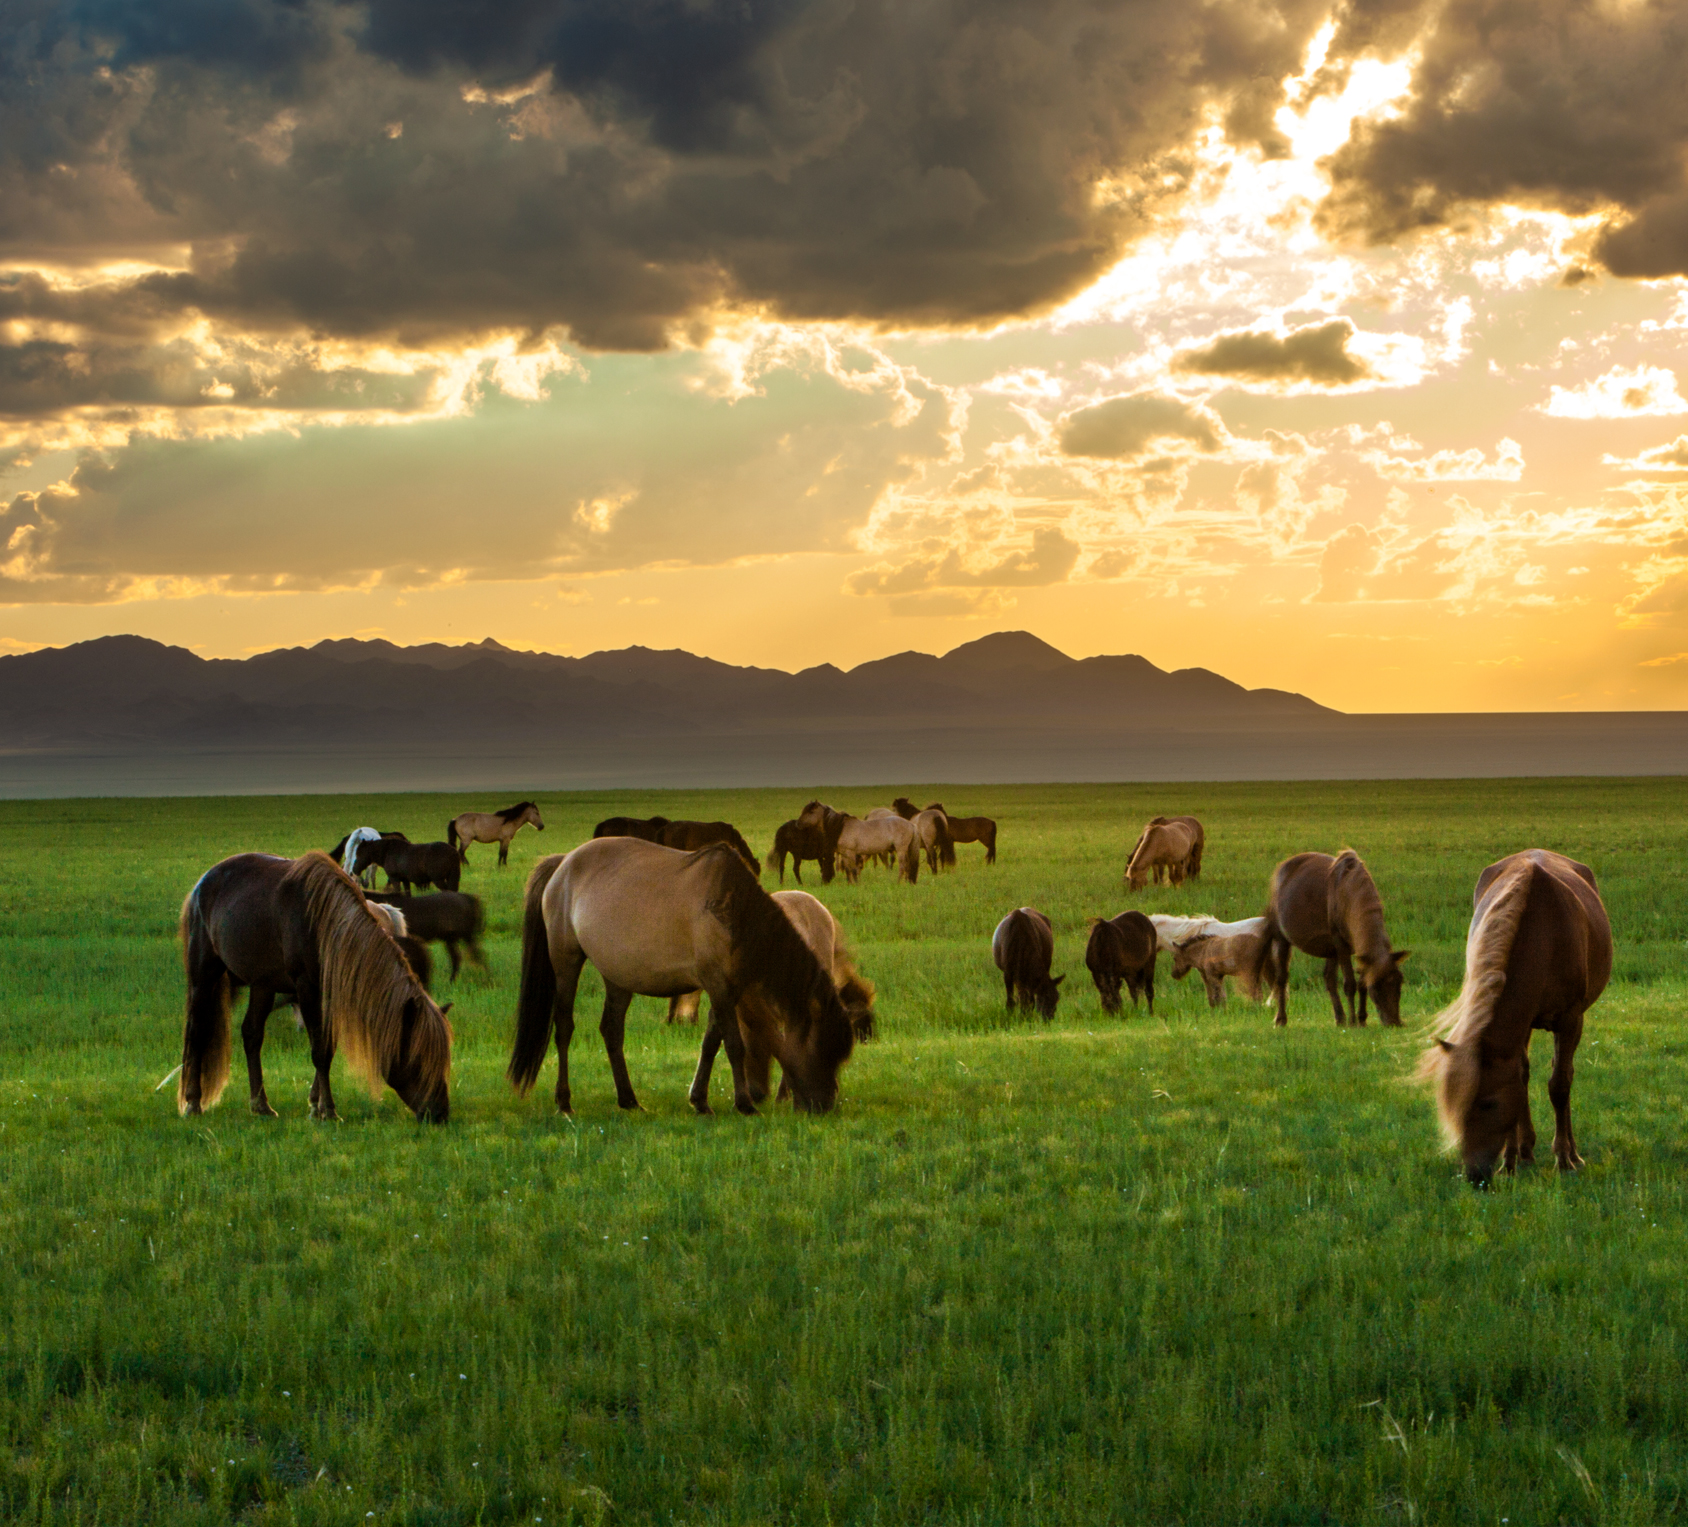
801,841
829,824
1123,948
1329,908
409,865
344,853
301,928
1023,947
1538,955
688,836
657,923
980,830
648,828
451,918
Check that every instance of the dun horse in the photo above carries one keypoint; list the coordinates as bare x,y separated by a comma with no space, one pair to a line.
1218,955
933,828
301,928
961,829
1538,955
1023,947
657,922
1122,948
1329,908
492,827
862,838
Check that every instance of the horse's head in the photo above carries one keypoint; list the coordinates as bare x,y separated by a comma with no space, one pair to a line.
812,1062
1383,980
534,817
1481,1099
419,1074
1183,960
1048,994
372,851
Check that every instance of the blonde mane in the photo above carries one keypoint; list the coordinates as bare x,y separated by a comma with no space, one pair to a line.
366,980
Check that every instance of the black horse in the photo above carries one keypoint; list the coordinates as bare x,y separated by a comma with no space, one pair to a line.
409,865
447,917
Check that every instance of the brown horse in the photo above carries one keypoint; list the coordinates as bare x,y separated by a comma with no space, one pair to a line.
1329,908
1122,948
492,827
1169,845
446,917
691,836
1538,955
1023,947
1218,955
980,830
801,841
657,922
933,825
648,828
301,928
829,824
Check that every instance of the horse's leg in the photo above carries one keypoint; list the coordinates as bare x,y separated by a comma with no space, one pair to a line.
1332,987
1215,988
562,1015
1008,987
456,958
1352,989
613,1026
309,1002
698,1097
1526,1125
725,1010
1149,986
258,1005
1280,981
504,849
1565,1040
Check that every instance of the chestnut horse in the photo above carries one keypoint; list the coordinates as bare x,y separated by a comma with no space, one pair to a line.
1538,954
1329,908
1169,845
1023,947
301,928
980,830
657,922
1122,948
492,827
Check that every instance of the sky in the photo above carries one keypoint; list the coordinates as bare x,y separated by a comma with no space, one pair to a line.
1337,350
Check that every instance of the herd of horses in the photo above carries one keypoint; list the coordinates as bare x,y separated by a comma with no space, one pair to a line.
674,909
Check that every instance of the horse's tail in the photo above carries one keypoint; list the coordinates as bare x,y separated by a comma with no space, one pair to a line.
776,855
911,858
452,838
539,982
1264,965
367,983
1193,865
206,1041
988,837
946,843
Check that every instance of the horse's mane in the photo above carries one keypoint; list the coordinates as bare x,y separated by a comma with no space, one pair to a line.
366,981
770,953
905,808
510,813
1352,881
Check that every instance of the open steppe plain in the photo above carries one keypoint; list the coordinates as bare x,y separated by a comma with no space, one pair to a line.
1185,1269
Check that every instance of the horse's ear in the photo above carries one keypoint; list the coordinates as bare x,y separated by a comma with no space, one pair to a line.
1401,954
1446,1048
1059,980
445,1007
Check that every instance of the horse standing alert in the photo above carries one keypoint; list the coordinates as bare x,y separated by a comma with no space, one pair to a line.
492,827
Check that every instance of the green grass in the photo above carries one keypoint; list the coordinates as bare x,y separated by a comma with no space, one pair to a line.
1188,1269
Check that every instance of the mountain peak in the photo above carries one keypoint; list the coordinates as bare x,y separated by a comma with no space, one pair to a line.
1007,651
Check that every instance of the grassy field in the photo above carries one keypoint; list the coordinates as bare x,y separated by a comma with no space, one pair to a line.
1179,1270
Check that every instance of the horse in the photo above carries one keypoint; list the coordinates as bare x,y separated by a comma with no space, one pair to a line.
1329,908
931,831
413,949
818,929
344,853
829,824
961,829
1170,844
492,827
1538,955
657,922
648,828
301,928
801,841
1023,947
1122,948
1221,954
409,865
860,838
446,917
690,836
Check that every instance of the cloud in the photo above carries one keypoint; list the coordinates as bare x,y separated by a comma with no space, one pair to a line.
1451,466
1659,458
1557,104
1050,559
1620,394
1314,356
1349,557
1136,425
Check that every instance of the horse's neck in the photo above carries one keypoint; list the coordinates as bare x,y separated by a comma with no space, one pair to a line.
1362,922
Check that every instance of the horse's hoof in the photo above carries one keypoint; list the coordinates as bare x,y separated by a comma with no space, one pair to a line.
565,1110
191,1110
261,1107
629,1103
701,1109
325,1115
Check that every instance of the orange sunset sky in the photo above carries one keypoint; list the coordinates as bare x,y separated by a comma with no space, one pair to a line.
1339,350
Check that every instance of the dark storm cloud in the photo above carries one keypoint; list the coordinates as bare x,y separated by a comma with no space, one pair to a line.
1316,355
375,171
1551,103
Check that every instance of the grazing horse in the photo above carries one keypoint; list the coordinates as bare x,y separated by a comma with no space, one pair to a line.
1538,955
1023,947
446,917
344,853
1222,954
648,828
816,927
301,928
409,865
802,840
492,827
657,922
1329,908
862,838
1172,845
1122,948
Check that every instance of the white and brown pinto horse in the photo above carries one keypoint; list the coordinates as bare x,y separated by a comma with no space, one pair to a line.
659,922
492,827
1167,845
1538,955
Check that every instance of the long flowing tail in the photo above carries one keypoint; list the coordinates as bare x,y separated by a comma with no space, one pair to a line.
1264,965
206,1041
946,843
452,838
538,995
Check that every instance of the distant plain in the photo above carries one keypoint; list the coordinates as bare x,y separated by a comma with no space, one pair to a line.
1180,1269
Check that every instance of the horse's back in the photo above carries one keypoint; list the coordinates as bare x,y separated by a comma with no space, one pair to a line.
1563,947
240,906
1299,903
